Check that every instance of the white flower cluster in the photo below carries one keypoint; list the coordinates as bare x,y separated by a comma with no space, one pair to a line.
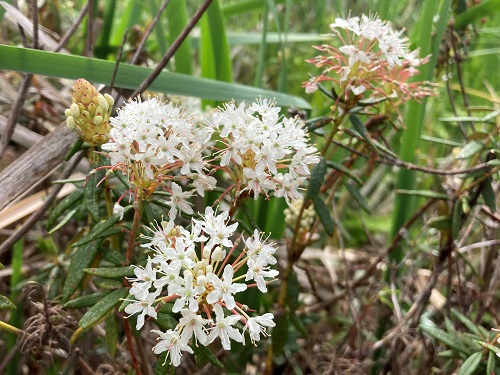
195,270
392,46
263,151
152,137
374,61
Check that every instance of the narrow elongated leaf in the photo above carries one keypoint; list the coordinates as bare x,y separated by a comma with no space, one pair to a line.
203,355
317,177
80,259
69,202
163,366
471,326
92,192
361,129
6,303
111,337
476,12
470,149
489,195
490,365
341,168
165,321
470,364
97,312
100,228
64,220
111,272
424,193
444,337
177,19
129,76
280,334
356,195
323,214
85,301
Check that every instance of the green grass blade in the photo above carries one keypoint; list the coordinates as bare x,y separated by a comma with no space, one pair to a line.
102,49
214,51
159,30
130,76
177,20
130,17
259,73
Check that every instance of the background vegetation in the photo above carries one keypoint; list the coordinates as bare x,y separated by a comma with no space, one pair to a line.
405,278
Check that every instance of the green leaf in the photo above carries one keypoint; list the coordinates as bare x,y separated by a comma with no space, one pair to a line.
316,180
490,365
489,195
76,147
470,365
97,312
323,214
60,65
491,348
165,321
440,223
6,303
100,228
69,202
476,12
177,20
361,129
112,272
342,168
360,200
111,337
423,193
163,366
64,220
80,259
280,334
456,219
440,335
203,355
317,123
85,301
92,192
470,149
471,326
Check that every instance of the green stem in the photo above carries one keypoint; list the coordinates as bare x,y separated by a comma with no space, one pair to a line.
8,327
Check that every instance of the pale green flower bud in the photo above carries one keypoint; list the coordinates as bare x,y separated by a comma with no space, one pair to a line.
109,99
74,110
103,103
97,120
70,122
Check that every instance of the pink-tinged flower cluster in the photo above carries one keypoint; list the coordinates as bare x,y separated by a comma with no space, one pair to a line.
373,62
262,151
197,269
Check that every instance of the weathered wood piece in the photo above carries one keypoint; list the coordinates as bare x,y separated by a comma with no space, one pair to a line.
35,164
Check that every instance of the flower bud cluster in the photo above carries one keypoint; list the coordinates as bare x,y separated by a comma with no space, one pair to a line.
89,113
195,269
292,214
374,62
262,151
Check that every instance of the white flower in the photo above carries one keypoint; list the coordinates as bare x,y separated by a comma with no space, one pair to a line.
255,326
258,270
178,199
180,255
144,306
193,323
188,293
224,289
223,328
118,210
171,342
145,277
